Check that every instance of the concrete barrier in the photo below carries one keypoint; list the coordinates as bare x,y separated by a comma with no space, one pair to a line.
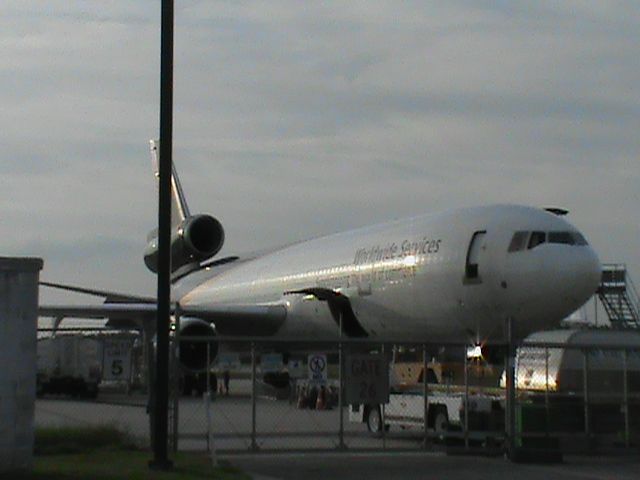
18,332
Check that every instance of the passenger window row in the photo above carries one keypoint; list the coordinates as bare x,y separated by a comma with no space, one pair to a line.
529,240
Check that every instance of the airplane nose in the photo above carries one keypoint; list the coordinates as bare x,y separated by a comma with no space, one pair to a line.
589,271
579,274
566,277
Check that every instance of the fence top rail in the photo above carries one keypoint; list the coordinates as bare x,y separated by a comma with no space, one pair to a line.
110,331
579,346
413,343
330,340
360,341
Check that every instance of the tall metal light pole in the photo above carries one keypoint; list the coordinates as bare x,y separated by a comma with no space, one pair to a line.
161,403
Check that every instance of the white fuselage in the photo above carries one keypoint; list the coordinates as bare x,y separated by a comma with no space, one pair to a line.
444,276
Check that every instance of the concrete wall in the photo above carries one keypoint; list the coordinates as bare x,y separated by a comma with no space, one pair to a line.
18,332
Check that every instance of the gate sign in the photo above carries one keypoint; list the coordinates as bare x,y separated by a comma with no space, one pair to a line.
367,379
317,368
116,359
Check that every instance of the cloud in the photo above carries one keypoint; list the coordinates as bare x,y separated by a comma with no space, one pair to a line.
293,121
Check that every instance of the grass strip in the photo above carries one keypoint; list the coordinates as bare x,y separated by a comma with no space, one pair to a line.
117,465
108,453
67,440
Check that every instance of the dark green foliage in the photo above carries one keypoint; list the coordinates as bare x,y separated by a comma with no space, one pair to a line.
67,440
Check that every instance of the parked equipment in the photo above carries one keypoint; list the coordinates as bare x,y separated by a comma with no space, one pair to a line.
69,365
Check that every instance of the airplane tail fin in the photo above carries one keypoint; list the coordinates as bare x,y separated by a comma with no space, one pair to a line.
179,207
194,237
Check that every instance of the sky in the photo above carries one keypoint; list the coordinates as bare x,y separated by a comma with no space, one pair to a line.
298,119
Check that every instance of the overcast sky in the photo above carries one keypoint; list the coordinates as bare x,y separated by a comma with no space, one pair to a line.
294,119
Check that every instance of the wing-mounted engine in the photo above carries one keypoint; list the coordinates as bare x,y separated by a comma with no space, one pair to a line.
193,240
196,355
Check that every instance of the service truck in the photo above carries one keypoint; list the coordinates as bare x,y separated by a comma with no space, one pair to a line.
445,403
550,385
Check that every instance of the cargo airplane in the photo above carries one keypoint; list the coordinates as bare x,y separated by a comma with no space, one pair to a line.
455,275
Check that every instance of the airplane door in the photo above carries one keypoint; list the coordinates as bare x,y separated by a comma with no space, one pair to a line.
473,264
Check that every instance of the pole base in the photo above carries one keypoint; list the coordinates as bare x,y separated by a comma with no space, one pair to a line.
160,465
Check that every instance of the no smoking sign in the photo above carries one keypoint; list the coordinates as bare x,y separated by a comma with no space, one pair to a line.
317,367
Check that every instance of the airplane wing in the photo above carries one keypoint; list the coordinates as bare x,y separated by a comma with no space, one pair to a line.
109,296
340,308
252,320
105,310
131,311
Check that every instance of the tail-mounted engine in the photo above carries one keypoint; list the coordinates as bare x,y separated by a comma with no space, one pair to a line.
195,239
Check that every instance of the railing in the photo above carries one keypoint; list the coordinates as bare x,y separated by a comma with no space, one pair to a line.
619,295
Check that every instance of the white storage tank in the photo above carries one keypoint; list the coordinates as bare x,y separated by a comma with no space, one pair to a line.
18,332
565,366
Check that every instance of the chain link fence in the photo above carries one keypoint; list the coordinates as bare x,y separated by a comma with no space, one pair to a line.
566,394
577,398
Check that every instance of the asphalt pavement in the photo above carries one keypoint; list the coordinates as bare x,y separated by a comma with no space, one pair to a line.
426,466
281,425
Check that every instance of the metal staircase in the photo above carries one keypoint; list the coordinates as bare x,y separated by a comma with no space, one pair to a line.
619,296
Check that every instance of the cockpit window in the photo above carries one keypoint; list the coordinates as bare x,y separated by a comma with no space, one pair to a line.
580,240
537,238
519,241
565,238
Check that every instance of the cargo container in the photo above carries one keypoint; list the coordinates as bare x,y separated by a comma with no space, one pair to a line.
69,365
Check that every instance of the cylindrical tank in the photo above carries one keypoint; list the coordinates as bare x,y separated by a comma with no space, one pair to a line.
565,366
18,332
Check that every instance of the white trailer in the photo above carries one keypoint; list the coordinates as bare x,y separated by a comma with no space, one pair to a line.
69,364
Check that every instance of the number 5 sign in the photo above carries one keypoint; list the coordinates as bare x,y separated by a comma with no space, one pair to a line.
116,360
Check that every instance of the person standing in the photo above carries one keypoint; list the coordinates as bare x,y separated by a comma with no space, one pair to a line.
226,377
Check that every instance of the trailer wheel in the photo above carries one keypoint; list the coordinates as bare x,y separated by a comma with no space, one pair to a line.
374,419
441,422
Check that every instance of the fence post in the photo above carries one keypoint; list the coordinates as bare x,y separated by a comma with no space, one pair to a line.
466,400
510,374
207,408
254,444
382,416
208,375
625,399
425,394
341,444
546,390
585,381
206,396
176,379
149,333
